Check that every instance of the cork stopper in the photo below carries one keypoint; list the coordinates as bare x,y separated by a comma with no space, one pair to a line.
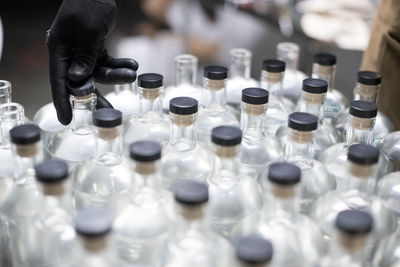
214,85
352,242
272,77
322,70
145,168
254,110
226,151
85,97
362,123
108,134
367,91
313,99
54,189
361,171
283,191
28,150
302,137
183,120
95,244
150,94
192,213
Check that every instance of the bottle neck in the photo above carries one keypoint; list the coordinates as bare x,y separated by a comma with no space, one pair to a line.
5,92
11,115
147,175
109,145
359,130
366,92
314,104
281,201
192,221
182,135
240,63
272,82
185,69
326,73
289,53
251,119
26,157
128,87
215,93
347,247
96,246
82,108
57,196
226,161
361,178
150,101
300,145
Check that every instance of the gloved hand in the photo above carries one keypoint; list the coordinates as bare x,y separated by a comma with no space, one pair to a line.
75,43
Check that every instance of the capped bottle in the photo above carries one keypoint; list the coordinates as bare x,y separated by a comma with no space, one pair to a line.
232,197
125,98
215,111
150,125
76,143
104,181
254,251
184,157
239,71
192,242
258,147
348,246
299,150
142,226
185,81
278,107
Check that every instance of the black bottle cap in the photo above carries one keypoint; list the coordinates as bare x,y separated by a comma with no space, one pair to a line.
51,171
315,86
93,222
254,249
183,105
302,121
255,96
25,134
215,72
284,173
369,77
354,222
363,109
274,65
325,59
226,135
107,118
363,154
190,192
145,151
150,80
81,89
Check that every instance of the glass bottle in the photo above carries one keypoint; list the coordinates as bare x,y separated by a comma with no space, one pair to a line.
352,233
104,181
76,143
367,89
280,221
312,101
298,149
240,69
356,191
257,148
93,227
361,122
232,196
389,145
142,227
150,125
215,111
184,157
324,68
253,251
125,99
5,92
192,243
289,53
279,108
23,203
185,81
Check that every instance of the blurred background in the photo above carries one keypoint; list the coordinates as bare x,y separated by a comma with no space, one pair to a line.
154,31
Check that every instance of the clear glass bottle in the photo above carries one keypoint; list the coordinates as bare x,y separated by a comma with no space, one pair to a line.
185,81
361,122
141,229
93,227
232,196
151,124
76,143
257,148
5,92
23,203
105,180
298,149
215,111
324,68
313,97
389,145
367,89
240,69
279,108
54,223
192,243
356,192
253,251
289,53
184,157
352,233
280,221
125,98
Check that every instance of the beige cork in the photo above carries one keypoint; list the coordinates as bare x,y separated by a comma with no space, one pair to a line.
192,213
272,77
362,123
302,137
108,133
55,189
85,97
27,151
352,242
283,191
321,70
145,168
183,120
361,171
367,91
95,244
254,110
215,85
226,151
151,94
313,99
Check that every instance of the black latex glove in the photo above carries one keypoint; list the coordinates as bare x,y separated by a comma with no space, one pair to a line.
76,51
